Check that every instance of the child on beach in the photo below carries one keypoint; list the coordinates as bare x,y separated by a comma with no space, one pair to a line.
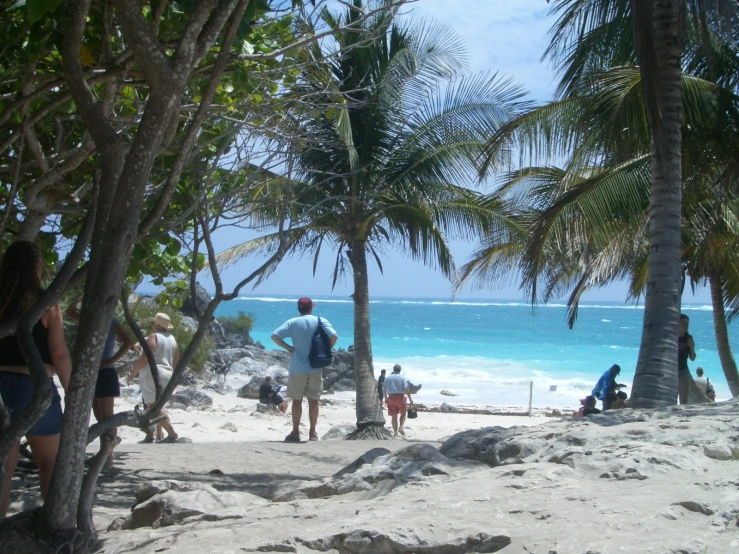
620,401
587,407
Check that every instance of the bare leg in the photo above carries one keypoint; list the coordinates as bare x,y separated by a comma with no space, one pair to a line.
313,415
167,425
395,425
10,464
44,450
682,391
297,414
283,407
402,422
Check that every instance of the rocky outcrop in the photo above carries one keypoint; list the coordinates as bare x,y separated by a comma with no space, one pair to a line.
202,298
618,444
191,398
493,446
373,542
378,471
164,503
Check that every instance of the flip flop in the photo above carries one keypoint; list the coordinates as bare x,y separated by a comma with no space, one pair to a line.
292,437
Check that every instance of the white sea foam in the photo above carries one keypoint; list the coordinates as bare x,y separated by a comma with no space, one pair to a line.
480,303
499,382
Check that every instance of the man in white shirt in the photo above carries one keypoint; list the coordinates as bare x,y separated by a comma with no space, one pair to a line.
701,381
395,389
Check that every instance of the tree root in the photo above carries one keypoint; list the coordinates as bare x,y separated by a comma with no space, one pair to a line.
28,533
370,431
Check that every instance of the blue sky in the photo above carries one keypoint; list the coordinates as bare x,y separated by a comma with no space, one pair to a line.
504,36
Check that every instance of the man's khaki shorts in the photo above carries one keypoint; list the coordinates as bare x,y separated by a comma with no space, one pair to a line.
300,385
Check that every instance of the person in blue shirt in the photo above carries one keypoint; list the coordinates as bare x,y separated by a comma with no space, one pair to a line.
303,380
606,387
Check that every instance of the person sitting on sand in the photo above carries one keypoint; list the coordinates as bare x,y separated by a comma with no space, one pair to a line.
166,354
579,413
589,407
606,387
620,401
270,394
396,389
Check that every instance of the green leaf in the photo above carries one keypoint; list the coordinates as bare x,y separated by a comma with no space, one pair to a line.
37,9
247,48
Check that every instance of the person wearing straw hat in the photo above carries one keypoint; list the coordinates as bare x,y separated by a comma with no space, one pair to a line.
166,354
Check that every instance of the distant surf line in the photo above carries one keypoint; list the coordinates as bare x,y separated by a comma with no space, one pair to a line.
504,304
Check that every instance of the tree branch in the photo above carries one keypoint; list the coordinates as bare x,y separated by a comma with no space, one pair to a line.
142,341
147,49
215,23
195,125
102,132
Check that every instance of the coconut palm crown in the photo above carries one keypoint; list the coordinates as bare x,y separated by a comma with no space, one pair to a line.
384,157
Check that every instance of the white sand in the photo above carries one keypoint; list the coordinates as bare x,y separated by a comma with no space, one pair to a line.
207,426
627,481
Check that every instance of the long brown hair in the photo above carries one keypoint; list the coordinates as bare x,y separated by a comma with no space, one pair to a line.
19,280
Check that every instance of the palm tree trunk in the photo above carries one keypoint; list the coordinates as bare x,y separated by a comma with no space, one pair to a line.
659,51
370,420
728,364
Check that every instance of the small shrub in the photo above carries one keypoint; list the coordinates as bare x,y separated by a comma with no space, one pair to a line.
240,324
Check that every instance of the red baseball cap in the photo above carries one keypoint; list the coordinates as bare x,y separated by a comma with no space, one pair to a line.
305,303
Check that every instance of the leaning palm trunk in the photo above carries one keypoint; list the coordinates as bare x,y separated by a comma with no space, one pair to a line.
370,420
728,364
659,49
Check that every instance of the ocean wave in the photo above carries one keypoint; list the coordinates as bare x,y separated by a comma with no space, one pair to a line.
473,303
478,380
278,299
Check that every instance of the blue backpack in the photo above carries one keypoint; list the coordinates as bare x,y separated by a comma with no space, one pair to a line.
320,348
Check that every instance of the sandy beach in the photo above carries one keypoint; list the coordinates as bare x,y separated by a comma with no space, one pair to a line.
625,481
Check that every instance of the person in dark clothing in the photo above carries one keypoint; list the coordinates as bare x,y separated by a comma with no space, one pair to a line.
685,350
380,381
20,288
270,394
606,387
589,408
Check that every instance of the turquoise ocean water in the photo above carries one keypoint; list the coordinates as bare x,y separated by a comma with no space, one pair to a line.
487,352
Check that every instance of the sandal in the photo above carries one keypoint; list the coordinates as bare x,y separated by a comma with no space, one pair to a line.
147,440
293,437
168,440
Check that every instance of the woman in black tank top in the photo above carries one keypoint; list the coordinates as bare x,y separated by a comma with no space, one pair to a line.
20,287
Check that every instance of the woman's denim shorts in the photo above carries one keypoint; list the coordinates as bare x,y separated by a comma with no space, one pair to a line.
17,391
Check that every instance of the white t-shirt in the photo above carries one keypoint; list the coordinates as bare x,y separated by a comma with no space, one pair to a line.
702,383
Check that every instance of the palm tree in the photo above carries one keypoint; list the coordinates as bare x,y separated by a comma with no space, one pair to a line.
592,35
383,158
585,226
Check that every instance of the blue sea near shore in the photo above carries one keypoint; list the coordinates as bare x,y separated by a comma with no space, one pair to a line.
487,352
